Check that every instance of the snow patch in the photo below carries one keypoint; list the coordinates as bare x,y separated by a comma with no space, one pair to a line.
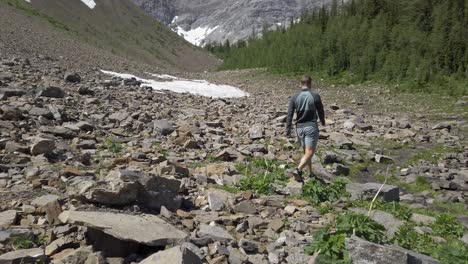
29,1
90,3
178,85
195,36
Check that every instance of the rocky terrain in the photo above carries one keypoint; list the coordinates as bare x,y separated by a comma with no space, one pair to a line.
215,21
96,169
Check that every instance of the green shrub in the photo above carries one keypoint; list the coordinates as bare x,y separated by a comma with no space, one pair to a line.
261,174
316,192
454,251
362,226
446,226
113,146
408,238
332,244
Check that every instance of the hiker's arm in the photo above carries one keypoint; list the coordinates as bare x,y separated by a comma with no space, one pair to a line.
290,117
319,107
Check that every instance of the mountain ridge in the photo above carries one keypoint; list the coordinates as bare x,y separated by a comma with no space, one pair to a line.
217,21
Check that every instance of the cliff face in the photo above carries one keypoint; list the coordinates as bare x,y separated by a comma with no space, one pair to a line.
202,22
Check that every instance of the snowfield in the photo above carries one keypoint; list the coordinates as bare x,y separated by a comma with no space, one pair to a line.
174,84
195,36
90,3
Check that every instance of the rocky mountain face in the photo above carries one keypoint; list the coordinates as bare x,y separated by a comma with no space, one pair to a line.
216,21
112,28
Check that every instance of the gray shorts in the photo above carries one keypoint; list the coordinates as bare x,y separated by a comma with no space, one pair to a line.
308,136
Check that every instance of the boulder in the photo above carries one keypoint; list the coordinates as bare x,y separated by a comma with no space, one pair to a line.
52,91
7,218
256,132
23,256
50,205
164,127
174,255
127,227
341,141
368,190
215,201
215,233
72,256
42,146
72,77
422,219
362,251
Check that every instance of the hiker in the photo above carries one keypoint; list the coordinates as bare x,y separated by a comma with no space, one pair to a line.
308,108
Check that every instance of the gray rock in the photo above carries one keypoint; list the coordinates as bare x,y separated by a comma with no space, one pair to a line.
339,169
236,256
23,256
362,251
175,255
7,218
256,132
341,140
382,159
42,146
7,93
245,207
368,190
59,245
247,245
464,239
216,233
127,227
163,126
50,205
294,188
52,91
72,77
79,255
215,202
422,219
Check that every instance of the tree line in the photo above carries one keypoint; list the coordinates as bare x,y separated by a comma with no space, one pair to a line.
420,44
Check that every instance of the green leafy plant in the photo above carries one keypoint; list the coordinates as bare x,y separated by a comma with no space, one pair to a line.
317,193
446,226
330,241
21,243
408,238
452,252
331,246
113,146
261,174
360,225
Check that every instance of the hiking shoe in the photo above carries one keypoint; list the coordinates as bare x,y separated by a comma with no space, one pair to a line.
297,173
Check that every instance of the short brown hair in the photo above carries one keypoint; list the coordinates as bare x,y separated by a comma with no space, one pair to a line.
306,80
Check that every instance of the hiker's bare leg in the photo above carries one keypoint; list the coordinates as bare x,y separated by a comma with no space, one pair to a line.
306,159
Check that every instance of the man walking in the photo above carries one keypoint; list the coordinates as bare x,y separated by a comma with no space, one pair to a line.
308,108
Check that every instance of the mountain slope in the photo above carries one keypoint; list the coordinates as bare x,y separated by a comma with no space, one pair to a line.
216,21
121,28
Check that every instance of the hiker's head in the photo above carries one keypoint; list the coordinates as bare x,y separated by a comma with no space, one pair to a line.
306,81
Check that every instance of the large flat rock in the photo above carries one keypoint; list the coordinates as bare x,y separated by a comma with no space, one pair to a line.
367,191
7,218
23,256
175,255
362,251
143,229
